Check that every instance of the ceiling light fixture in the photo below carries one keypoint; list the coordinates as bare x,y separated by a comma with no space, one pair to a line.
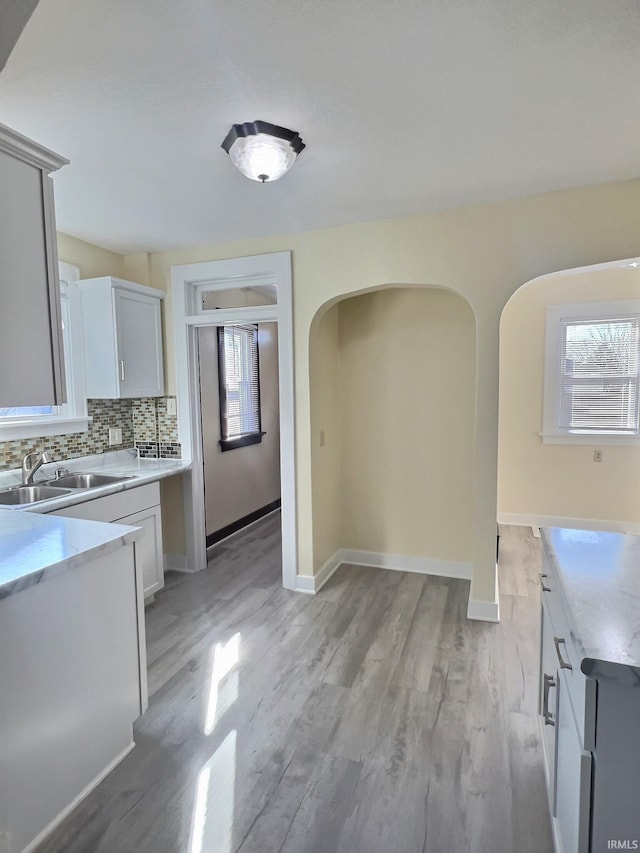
262,151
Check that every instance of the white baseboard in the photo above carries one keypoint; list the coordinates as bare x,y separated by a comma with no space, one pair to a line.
524,520
485,611
176,563
401,563
40,837
306,584
395,562
311,584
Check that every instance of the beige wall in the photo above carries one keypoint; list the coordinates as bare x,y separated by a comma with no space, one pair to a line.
171,499
555,479
407,400
326,422
239,482
93,261
485,253
136,268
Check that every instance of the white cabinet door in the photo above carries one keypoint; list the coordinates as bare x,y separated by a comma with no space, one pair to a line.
149,547
31,351
549,706
573,780
139,507
122,331
139,344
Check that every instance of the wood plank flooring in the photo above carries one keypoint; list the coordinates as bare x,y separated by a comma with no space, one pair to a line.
373,717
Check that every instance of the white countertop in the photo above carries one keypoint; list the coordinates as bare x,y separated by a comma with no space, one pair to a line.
599,576
116,462
34,547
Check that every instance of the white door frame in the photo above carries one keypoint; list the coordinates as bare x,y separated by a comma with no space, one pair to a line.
188,281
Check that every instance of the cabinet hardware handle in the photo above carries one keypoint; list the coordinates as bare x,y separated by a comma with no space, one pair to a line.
548,682
544,588
563,663
121,370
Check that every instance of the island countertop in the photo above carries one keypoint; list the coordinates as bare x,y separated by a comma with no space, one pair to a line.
599,575
35,547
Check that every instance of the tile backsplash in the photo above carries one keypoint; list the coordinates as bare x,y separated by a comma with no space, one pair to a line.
155,430
145,424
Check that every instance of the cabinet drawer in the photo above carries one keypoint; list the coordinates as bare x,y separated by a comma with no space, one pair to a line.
116,506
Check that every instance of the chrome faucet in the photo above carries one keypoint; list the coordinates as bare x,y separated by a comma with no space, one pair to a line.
29,469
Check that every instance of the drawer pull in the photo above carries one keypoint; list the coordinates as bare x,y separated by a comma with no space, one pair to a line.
546,713
563,663
544,588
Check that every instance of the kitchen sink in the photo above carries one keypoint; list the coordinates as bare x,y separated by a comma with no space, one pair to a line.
88,481
30,494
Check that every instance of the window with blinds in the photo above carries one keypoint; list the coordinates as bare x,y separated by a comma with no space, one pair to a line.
592,373
599,380
239,382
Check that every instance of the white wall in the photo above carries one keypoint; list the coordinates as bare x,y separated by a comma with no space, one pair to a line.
536,479
241,481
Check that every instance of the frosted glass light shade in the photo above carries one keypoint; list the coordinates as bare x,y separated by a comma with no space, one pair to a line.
262,151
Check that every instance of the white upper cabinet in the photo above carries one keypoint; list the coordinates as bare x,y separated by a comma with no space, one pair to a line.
31,350
122,332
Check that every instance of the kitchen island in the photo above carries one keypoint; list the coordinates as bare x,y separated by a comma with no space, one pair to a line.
590,688
72,665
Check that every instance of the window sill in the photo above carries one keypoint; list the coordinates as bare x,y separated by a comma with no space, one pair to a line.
11,430
240,441
591,439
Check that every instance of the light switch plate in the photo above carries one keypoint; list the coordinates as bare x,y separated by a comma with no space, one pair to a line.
115,435
171,405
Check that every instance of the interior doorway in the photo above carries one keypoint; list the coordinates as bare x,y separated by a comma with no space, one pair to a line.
240,423
251,290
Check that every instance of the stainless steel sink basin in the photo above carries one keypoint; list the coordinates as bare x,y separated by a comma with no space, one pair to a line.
30,494
88,481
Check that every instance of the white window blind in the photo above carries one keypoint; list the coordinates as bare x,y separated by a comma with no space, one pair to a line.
599,378
239,378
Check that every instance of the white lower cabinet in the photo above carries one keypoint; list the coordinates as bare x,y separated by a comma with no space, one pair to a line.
567,763
139,507
590,728
73,681
549,707
573,779
149,549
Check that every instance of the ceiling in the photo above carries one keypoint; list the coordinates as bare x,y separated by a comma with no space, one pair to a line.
405,106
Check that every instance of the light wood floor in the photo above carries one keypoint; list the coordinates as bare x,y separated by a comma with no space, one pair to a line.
371,718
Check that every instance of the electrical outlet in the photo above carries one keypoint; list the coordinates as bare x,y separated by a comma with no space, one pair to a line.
597,456
115,435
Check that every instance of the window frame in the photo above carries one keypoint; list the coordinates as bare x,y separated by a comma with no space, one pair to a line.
557,315
227,441
72,416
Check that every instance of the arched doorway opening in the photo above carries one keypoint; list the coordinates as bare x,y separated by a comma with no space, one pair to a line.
392,379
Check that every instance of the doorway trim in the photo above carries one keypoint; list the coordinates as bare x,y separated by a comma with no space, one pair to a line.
187,282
